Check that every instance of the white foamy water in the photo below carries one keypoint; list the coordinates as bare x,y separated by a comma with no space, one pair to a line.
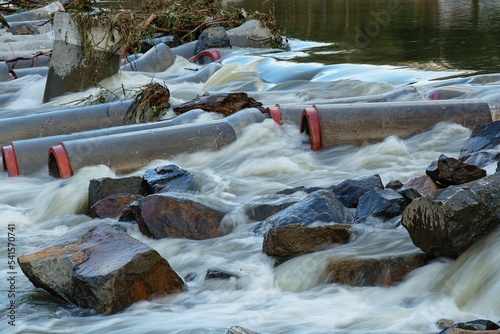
294,297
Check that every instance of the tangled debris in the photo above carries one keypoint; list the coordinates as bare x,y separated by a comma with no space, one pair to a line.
149,104
223,103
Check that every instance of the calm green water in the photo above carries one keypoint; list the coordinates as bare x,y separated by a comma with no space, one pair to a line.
463,34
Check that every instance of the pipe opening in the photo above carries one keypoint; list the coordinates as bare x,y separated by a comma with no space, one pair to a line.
275,113
311,124
9,160
58,163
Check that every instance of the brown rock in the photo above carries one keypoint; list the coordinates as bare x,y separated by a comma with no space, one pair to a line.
164,216
373,272
112,206
423,184
296,239
100,267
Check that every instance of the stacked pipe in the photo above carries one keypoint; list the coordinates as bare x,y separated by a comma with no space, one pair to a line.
126,152
357,124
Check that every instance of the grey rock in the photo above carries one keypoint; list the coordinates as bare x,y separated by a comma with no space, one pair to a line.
350,190
382,203
450,171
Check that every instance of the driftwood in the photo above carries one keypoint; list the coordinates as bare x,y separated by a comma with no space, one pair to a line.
224,103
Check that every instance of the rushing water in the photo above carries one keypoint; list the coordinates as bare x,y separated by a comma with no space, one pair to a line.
420,46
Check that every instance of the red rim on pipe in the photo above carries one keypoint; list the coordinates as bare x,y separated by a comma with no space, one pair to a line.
275,113
59,165
213,54
9,160
311,125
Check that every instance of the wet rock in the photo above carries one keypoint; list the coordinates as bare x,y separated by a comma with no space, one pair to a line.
423,184
474,326
409,195
447,222
250,34
100,267
216,273
481,159
239,330
104,187
394,185
350,190
374,272
263,211
450,171
169,178
483,136
320,206
291,191
162,216
112,206
213,37
381,203
295,239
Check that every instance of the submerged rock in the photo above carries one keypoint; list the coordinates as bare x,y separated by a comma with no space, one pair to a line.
216,273
350,190
239,330
374,272
295,239
447,222
320,206
475,326
483,136
100,267
450,171
163,216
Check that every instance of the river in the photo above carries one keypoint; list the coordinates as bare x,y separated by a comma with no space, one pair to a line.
337,49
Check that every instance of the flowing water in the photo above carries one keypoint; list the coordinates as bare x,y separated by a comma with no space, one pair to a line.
427,44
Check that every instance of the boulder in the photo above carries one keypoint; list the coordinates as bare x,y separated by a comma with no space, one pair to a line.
295,239
475,326
104,187
447,222
483,136
320,206
409,195
423,184
100,267
450,171
394,185
166,216
112,206
213,37
169,178
350,190
482,158
250,34
263,211
216,273
381,203
374,272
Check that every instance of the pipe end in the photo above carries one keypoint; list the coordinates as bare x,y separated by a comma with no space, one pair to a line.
59,164
213,54
311,125
275,113
9,160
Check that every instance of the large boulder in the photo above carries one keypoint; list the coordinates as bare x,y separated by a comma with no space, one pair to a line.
450,171
350,190
483,136
380,203
374,271
296,239
167,216
106,186
447,222
100,267
321,206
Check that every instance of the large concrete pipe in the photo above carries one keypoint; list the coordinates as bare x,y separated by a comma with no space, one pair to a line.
356,124
156,59
4,71
24,157
287,113
127,152
44,13
63,121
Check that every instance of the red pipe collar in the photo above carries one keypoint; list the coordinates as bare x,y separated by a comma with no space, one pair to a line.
10,160
213,54
275,113
12,75
59,164
311,125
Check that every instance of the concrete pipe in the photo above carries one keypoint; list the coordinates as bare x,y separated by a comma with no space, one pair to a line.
63,121
127,152
4,72
157,59
291,113
356,124
206,56
24,157
23,72
44,13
